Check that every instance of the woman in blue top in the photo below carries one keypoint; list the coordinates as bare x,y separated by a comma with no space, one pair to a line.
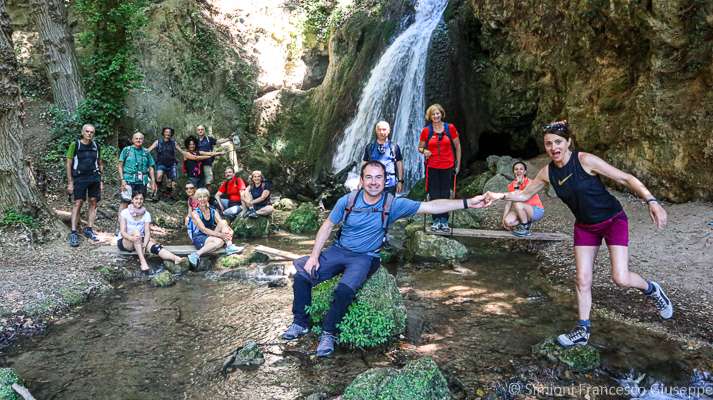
207,230
256,197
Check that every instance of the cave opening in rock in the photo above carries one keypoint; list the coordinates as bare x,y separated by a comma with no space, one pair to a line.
517,145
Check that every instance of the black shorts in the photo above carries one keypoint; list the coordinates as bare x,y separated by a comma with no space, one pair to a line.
87,187
135,188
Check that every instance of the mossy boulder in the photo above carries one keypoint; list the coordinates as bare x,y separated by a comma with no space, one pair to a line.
475,185
305,219
249,228
418,191
503,166
471,218
249,356
179,268
8,377
243,259
578,358
163,279
419,379
423,246
497,183
285,204
376,315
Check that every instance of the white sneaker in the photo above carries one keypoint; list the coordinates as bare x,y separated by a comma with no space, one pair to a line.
578,336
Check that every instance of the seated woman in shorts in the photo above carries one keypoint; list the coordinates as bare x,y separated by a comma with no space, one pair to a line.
134,225
207,230
191,201
519,215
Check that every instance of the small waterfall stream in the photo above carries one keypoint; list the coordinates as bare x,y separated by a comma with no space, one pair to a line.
395,93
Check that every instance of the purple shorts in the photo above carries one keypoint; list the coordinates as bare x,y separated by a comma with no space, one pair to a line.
614,230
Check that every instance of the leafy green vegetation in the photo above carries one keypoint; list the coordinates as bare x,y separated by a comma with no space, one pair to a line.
12,217
303,220
373,319
419,379
109,62
8,376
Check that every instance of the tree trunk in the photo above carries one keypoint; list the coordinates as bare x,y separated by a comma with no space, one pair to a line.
50,17
17,185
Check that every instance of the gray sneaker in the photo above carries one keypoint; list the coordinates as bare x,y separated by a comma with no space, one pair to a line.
444,227
578,336
522,230
294,331
325,348
661,301
436,227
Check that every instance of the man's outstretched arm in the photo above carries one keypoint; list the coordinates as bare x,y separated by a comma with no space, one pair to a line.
443,205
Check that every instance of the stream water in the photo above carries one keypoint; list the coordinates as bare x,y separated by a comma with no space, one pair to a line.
479,322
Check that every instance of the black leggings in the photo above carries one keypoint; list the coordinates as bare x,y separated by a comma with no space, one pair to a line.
440,183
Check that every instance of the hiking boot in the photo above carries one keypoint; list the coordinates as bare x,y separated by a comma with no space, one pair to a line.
661,301
231,249
294,331
325,348
522,230
89,233
252,213
74,239
193,259
578,336
436,227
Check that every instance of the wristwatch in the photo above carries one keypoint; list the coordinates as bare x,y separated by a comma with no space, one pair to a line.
401,181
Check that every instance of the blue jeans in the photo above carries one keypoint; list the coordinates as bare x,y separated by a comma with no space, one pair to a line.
228,211
334,260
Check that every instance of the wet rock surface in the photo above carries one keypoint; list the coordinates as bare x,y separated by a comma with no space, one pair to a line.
419,379
578,358
422,246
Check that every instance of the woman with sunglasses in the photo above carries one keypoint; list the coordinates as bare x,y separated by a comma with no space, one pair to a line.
575,176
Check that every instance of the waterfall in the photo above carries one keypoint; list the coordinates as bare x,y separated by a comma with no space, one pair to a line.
395,93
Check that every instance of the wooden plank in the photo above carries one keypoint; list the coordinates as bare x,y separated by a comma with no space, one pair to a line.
179,250
276,252
490,234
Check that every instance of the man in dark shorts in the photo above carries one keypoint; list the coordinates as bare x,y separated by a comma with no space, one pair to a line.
84,168
166,150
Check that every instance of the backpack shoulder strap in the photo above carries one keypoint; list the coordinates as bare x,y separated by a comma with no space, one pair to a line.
386,210
430,133
351,200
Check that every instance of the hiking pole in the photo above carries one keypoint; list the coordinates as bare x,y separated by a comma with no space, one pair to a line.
428,195
453,195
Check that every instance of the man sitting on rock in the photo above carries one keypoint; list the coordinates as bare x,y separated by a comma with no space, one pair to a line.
356,249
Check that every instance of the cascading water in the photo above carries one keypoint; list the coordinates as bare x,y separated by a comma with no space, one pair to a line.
395,93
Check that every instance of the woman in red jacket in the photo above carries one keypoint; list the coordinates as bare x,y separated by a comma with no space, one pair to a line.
440,145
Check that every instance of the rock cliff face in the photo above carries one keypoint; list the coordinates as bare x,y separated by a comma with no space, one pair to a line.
633,78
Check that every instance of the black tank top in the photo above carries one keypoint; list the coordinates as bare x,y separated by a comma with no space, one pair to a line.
584,194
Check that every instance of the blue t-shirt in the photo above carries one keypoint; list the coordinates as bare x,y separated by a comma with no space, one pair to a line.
362,232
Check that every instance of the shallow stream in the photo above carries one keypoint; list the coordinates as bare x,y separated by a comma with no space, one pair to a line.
478,321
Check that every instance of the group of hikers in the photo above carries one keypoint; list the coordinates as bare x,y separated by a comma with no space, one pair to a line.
365,215
141,173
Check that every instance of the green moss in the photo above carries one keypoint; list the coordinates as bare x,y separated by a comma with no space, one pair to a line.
578,358
305,219
72,297
162,279
418,191
8,376
251,227
375,317
474,186
419,379
239,260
